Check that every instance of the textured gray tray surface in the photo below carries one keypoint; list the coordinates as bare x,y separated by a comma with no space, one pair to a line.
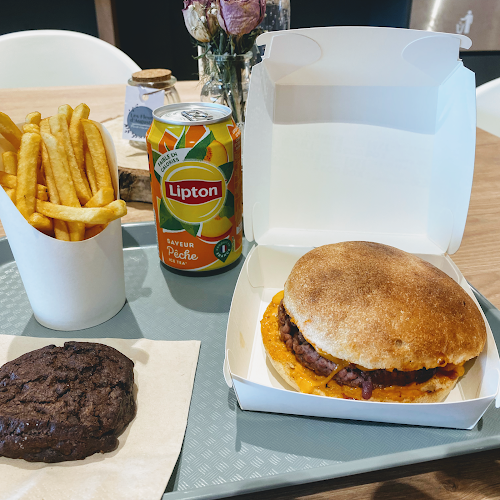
227,451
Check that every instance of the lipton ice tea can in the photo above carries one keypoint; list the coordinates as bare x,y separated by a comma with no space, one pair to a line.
194,154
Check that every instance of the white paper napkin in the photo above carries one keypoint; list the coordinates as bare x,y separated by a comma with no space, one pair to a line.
148,448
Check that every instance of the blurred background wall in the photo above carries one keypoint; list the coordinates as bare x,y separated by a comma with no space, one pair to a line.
153,33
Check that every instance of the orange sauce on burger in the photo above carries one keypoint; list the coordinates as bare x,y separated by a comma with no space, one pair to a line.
311,383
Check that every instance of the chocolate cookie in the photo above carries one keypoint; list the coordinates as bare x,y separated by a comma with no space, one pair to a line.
65,403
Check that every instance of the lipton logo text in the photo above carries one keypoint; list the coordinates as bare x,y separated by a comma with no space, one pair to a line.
193,192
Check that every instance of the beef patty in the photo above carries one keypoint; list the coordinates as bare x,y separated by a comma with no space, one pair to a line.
65,403
350,375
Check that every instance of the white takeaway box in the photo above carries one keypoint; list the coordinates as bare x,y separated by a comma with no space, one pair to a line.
354,133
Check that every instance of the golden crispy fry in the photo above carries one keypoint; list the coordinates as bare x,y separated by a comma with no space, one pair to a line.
34,117
60,170
10,181
98,153
41,193
67,111
40,175
76,133
94,230
9,162
101,215
61,230
47,169
59,128
35,129
89,168
11,193
66,152
42,223
76,230
102,198
26,173
118,207
45,126
31,127
10,130
64,183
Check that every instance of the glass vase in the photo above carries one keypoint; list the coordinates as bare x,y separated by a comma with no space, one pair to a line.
277,15
227,83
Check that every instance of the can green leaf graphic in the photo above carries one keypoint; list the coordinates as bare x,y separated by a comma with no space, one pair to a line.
192,229
199,150
167,220
172,223
156,155
181,143
228,208
227,170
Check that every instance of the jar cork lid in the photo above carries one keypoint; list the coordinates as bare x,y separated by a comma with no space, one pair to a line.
152,75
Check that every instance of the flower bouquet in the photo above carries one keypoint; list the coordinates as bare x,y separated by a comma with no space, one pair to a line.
226,31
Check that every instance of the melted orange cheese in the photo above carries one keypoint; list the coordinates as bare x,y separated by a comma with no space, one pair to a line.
311,383
278,298
305,378
452,371
341,363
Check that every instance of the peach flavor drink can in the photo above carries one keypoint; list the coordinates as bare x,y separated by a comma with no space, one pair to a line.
194,154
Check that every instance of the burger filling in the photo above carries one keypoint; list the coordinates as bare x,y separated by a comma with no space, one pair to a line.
349,375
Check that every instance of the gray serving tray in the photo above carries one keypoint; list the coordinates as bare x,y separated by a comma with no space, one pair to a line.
228,451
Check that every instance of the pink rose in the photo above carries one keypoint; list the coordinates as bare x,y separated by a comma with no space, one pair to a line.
238,17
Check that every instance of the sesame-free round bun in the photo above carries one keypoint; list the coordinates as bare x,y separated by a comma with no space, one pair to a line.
382,308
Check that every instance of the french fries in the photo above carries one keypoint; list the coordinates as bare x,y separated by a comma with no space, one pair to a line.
76,134
11,193
59,128
9,162
90,171
60,170
59,176
67,111
27,173
10,130
98,153
10,181
102,198
31,127
63,181
61,229
47,168
94,230
100,215
34,128
34,118
40,222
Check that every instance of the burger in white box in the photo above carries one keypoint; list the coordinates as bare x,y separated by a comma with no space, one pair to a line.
366,321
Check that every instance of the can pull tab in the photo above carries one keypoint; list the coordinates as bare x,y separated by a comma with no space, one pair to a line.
196,115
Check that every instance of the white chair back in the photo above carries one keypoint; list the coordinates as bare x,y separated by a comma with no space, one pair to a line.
46,58
488,107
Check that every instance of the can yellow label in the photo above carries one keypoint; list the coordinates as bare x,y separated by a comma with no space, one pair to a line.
197,193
